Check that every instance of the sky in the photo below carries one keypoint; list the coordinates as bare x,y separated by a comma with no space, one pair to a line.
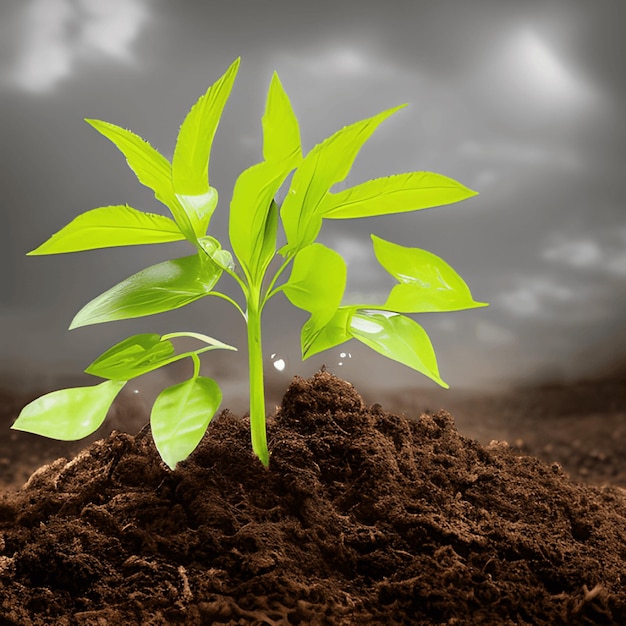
522,101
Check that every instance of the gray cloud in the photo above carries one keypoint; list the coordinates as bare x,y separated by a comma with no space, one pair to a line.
56,37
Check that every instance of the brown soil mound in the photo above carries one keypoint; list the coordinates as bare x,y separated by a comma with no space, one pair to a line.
364,517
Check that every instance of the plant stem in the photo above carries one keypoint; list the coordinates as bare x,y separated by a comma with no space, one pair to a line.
257,389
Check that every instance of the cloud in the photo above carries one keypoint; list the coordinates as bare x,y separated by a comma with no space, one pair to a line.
604,252
494,334
538,296
340,61
55,35
527,70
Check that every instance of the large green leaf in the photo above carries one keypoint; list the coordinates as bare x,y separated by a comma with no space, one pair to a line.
162,287
428,283
109,227
319,334
326,164
69,414
190,163
398,338
394,194
151,168
317,281
181,415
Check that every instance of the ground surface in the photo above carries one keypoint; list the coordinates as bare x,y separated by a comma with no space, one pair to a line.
364,517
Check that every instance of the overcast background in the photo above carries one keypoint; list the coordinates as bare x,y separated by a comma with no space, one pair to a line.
521,100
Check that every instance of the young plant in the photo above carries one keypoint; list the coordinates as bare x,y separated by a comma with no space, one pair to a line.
315,282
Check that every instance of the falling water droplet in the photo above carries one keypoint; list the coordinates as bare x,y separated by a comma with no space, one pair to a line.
279,362
344,357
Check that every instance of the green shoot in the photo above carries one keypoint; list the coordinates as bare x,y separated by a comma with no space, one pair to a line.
311,275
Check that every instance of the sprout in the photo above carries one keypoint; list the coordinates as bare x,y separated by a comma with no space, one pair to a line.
311,275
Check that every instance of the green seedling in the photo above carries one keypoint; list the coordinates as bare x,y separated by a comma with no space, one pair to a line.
315,281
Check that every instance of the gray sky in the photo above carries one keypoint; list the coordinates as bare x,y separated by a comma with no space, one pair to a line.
522,101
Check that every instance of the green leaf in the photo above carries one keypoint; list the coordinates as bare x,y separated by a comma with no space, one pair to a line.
281,132
109,227
145,353
253,223
328,163
253,213
317,281
318,335
181,415
394,194
267,250
162,287
199,209
132,357
428,283
213,248
398,338
150,166
190,163
69,414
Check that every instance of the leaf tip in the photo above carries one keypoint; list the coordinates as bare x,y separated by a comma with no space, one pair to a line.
75,323
171,464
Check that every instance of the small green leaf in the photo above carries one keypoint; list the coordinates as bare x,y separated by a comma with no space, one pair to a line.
281,132
326,164
428,283
181,415
199,209
109,227
69,414
253,224
213,248
145,353
253,213
268,241
318,335
132,357
317,281
150,166
394,194
190,163
398,338
162,287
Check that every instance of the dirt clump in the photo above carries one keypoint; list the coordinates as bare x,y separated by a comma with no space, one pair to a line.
363,517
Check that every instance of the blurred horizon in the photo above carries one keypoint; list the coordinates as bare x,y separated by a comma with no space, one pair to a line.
523,102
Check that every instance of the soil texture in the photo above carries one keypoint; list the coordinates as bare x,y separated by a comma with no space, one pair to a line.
364,516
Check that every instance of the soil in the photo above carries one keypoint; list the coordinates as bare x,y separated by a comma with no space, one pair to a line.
365,516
